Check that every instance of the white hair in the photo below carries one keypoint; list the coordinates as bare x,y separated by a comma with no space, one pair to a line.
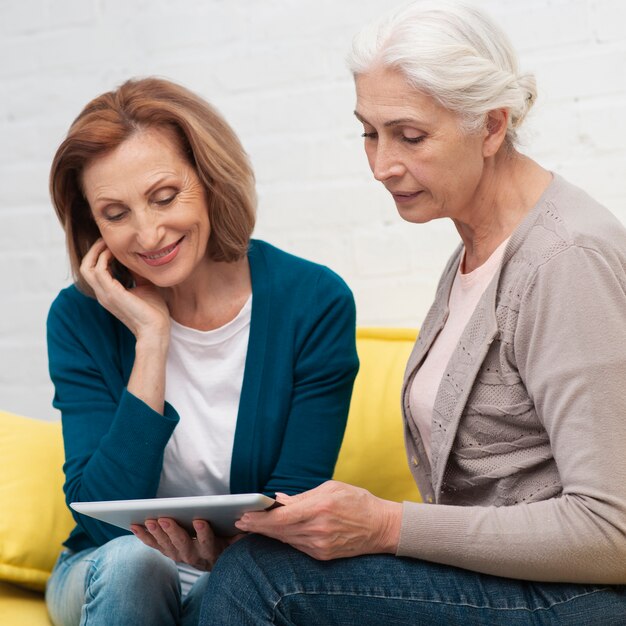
454,53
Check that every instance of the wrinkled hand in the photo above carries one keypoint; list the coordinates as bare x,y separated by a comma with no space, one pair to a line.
142,309
332,521
166,536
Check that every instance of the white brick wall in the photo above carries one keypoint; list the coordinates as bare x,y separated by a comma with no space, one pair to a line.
276,70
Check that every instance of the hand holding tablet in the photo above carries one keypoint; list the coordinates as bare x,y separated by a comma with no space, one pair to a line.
220,511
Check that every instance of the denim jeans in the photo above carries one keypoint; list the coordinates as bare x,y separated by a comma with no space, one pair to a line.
121,583
260,581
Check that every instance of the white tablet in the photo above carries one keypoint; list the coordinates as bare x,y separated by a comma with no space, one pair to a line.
220,511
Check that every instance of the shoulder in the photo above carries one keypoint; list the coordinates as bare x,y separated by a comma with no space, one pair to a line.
75,307
569,223
288,272
75,314
69,303
583,220
569,216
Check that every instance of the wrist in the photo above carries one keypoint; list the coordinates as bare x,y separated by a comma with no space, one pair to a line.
152,344
391,525
147,378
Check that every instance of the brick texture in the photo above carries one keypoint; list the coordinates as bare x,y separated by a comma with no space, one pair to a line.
276,70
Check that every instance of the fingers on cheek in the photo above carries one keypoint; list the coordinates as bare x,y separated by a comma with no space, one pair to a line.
86,270
105,255
104,261
94,253
91,275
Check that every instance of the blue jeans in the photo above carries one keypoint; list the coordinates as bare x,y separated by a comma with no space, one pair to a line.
260,581
121,583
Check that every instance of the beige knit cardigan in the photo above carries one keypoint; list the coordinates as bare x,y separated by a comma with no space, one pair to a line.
528,474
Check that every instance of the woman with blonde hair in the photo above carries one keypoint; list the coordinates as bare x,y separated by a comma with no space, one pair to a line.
513,399
187,358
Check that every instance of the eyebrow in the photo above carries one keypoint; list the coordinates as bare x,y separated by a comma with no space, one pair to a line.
106,201
160,180
147,192
398,122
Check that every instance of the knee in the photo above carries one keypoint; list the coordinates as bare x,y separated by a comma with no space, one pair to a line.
245,557
258,563
251,578
132,581
130,560
241,567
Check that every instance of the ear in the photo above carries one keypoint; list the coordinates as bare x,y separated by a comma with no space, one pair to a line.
495,131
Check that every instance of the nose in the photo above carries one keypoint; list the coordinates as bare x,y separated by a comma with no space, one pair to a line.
148,229
385,162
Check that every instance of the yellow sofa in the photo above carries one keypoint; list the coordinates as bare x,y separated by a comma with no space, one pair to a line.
34,519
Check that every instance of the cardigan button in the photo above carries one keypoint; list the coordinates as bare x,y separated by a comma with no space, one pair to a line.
415,461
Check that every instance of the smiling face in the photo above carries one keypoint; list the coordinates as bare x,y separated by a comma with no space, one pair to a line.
150,207
418,149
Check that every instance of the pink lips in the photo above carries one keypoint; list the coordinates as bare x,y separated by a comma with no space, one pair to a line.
162,256
401,198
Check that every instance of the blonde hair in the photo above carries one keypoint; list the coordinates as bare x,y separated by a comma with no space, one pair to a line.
454,53
204,137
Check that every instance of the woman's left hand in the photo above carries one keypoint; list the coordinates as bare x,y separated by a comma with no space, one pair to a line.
166,536
332,521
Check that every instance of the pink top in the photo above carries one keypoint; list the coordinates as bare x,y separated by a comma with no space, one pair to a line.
464,296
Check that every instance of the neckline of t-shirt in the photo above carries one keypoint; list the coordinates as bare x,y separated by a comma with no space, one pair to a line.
487,269
215,335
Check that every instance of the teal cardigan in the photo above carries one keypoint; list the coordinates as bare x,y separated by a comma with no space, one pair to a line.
299,371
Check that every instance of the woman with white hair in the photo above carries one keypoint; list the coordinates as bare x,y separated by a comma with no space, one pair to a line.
513,400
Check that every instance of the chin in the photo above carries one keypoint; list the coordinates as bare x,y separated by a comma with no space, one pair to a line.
415,216
159,279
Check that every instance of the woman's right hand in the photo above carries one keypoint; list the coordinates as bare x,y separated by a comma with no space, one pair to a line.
142,309
332,521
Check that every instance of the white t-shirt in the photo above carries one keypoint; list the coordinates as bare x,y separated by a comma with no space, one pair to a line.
464,296
204,375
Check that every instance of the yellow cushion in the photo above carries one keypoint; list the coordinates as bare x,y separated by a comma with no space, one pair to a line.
20,607
33,517
372,454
